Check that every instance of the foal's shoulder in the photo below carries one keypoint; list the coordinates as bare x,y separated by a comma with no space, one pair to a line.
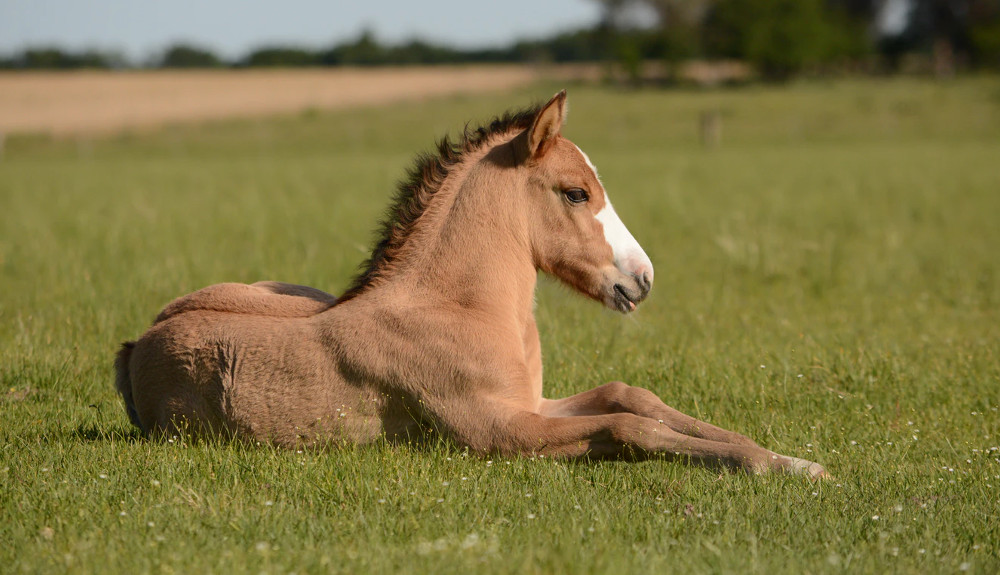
272,299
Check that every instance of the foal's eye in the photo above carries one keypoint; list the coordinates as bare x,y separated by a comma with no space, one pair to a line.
576,195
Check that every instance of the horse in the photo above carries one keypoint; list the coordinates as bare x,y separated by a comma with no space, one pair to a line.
437,332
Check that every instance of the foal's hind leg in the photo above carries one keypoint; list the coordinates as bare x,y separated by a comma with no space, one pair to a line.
618,397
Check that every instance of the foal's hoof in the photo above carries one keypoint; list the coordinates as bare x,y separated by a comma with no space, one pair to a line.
810,469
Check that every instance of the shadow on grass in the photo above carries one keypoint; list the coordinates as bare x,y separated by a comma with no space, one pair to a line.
95,433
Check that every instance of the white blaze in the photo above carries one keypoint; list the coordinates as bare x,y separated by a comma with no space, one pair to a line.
629,255
586,158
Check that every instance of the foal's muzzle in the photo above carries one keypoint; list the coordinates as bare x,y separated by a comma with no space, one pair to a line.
629,290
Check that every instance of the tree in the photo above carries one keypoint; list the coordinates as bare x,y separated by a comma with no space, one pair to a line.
365,51
187,56
281,56
984,33
779,37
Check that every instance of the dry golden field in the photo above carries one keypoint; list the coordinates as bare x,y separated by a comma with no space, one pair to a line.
69,103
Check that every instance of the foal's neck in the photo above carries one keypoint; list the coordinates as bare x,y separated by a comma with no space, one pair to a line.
470,248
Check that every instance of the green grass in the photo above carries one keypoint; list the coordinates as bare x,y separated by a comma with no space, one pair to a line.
828,282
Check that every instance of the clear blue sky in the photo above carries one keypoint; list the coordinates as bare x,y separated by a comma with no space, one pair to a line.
141,28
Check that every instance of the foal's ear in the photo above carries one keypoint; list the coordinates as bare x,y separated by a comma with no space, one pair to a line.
546,126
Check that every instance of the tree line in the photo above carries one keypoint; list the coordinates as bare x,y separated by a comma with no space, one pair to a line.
779,38
585,45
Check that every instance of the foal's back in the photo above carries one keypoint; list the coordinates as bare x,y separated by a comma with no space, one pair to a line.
267,298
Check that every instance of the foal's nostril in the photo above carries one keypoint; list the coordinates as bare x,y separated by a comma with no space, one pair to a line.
645,282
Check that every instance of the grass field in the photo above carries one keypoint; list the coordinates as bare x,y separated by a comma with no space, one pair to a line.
828,282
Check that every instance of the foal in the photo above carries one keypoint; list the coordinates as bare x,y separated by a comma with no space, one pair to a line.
439,329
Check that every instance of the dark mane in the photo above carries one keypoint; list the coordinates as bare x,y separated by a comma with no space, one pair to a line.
423,180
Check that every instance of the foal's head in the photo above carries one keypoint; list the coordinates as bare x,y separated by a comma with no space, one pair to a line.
575,233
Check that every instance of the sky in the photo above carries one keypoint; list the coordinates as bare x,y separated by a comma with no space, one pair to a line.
893,17
231,28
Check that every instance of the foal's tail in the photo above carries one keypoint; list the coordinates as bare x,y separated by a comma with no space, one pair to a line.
123,381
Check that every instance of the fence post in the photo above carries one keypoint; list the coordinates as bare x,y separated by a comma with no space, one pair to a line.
710,128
